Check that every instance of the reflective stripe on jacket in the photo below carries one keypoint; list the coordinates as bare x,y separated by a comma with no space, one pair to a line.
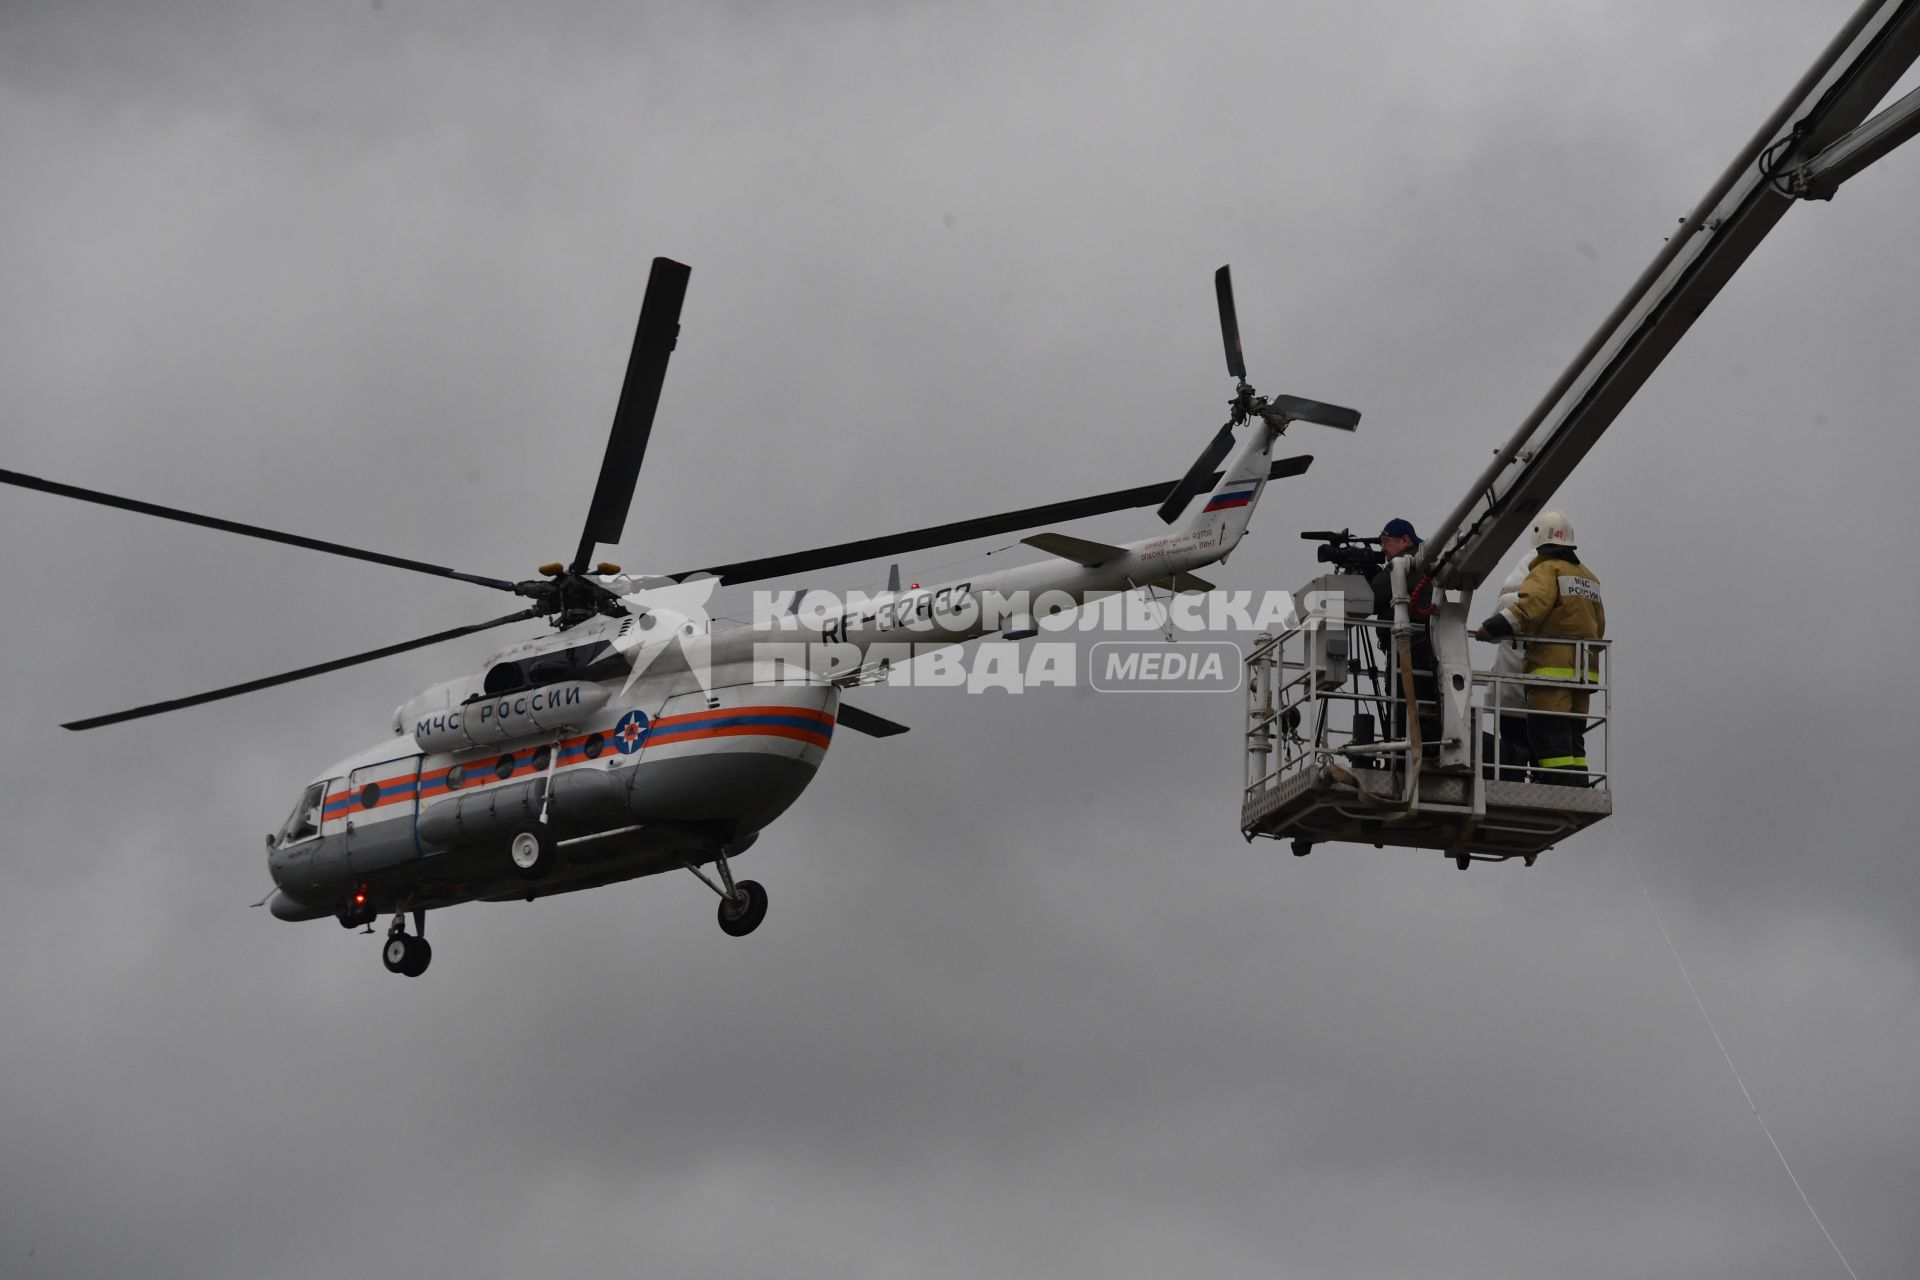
1561,597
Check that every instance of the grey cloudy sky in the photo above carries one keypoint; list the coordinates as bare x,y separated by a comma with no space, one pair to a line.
1025,1003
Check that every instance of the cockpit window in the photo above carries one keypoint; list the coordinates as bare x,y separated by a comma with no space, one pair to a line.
304,822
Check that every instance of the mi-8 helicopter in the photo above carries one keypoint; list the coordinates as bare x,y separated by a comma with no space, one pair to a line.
636,738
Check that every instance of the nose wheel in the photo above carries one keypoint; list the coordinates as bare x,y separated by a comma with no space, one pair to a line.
408,953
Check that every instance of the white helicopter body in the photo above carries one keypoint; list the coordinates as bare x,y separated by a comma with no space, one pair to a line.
636,738
640,776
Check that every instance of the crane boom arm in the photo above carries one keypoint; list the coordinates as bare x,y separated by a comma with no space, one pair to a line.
1821,113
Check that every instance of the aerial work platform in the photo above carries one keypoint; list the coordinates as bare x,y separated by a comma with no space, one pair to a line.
1325,760
1328,759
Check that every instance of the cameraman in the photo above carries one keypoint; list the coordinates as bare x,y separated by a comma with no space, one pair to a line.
1398,539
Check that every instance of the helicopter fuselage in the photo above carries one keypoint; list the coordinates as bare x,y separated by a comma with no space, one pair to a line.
644,747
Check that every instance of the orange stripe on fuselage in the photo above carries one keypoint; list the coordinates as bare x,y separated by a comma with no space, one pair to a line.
661,732
739,731
714,713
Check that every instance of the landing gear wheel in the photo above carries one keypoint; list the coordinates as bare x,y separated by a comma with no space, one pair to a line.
1530,857
741,915
1463,861
406,954
533,850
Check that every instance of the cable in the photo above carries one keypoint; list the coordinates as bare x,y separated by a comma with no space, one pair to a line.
1702,1006
1771,158
1422,612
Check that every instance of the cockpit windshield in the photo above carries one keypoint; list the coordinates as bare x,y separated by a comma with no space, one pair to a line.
304,822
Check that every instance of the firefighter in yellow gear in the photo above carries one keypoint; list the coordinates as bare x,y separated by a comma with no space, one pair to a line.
1561,598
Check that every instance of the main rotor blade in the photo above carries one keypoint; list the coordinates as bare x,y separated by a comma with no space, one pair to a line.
868,723
961,530
1200,476
653,342
248,530
1229,322
267,682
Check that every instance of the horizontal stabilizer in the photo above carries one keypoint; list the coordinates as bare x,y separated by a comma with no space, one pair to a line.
1183,582
868,723
1079,550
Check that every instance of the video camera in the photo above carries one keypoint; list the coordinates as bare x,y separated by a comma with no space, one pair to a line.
1346,552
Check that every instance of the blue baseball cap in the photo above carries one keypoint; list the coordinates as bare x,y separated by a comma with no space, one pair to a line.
1398,528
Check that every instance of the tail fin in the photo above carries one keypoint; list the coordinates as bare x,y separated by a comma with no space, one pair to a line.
1230,505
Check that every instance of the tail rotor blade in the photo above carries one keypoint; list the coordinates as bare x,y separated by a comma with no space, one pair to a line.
1229,322
1315,411
1199,476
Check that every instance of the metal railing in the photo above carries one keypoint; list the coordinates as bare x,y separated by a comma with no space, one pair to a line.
1325,693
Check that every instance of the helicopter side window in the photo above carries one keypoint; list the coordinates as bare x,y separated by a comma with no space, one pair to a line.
504,678
304,822
596,660
550,668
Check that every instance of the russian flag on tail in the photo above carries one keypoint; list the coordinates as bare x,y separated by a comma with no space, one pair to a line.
1229,498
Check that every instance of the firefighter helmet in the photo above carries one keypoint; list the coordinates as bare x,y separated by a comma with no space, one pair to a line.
1552,527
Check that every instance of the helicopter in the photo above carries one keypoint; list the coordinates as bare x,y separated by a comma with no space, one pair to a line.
636,737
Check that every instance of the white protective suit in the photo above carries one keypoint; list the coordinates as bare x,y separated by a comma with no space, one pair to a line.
1510,655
